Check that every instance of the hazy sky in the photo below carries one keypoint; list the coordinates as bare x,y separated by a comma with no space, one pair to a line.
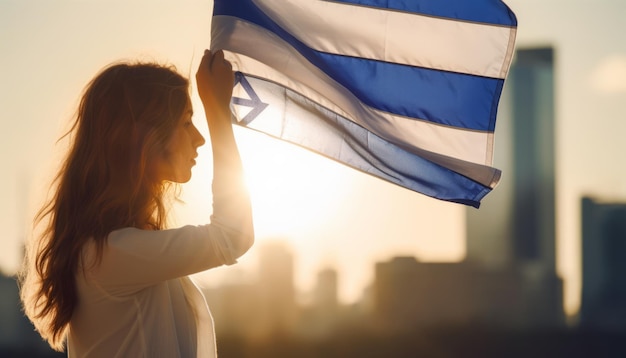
331,214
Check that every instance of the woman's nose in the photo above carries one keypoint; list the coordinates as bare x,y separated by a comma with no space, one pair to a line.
198,138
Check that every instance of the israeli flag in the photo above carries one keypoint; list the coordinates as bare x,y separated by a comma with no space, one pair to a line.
405,90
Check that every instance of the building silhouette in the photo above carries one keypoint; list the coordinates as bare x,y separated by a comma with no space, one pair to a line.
410,294
17,335
603,304
322,315
326,291
514,230
264,308
276,288
516,222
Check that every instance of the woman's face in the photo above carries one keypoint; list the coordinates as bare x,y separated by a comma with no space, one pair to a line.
179,157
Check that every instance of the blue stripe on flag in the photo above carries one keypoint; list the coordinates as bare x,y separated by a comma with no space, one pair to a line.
319,129
414,92
452,99
484,11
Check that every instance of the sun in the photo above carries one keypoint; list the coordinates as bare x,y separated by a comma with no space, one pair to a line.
292,189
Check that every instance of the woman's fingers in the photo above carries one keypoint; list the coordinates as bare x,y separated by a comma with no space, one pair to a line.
218,59
213,61
215,78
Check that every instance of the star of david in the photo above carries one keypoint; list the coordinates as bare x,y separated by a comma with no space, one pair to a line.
253,101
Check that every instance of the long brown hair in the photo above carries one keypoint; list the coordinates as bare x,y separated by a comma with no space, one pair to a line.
124,121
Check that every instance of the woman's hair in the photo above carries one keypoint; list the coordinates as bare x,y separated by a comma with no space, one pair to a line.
107,182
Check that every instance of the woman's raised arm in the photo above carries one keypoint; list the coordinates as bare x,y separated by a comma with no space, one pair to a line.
231,201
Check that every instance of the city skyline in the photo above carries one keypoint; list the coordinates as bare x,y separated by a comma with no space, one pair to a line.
409,305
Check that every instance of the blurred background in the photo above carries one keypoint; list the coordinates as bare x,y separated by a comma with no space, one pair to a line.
346,265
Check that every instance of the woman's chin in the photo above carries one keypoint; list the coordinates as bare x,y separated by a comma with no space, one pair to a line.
180,178
183,180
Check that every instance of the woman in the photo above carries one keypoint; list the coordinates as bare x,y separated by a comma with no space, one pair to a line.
107,277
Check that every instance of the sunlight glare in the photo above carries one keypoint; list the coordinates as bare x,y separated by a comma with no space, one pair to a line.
292,189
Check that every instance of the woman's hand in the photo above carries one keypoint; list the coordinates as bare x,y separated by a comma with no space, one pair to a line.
215,79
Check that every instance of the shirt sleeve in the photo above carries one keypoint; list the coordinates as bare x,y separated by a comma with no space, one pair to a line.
134,259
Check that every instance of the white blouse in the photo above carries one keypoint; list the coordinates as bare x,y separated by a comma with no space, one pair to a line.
139,302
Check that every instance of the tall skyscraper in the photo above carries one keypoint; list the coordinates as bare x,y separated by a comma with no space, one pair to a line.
276,288
603,304
516,222
321,318
326,291
515,226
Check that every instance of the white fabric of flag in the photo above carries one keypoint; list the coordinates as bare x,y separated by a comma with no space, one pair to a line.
404,90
